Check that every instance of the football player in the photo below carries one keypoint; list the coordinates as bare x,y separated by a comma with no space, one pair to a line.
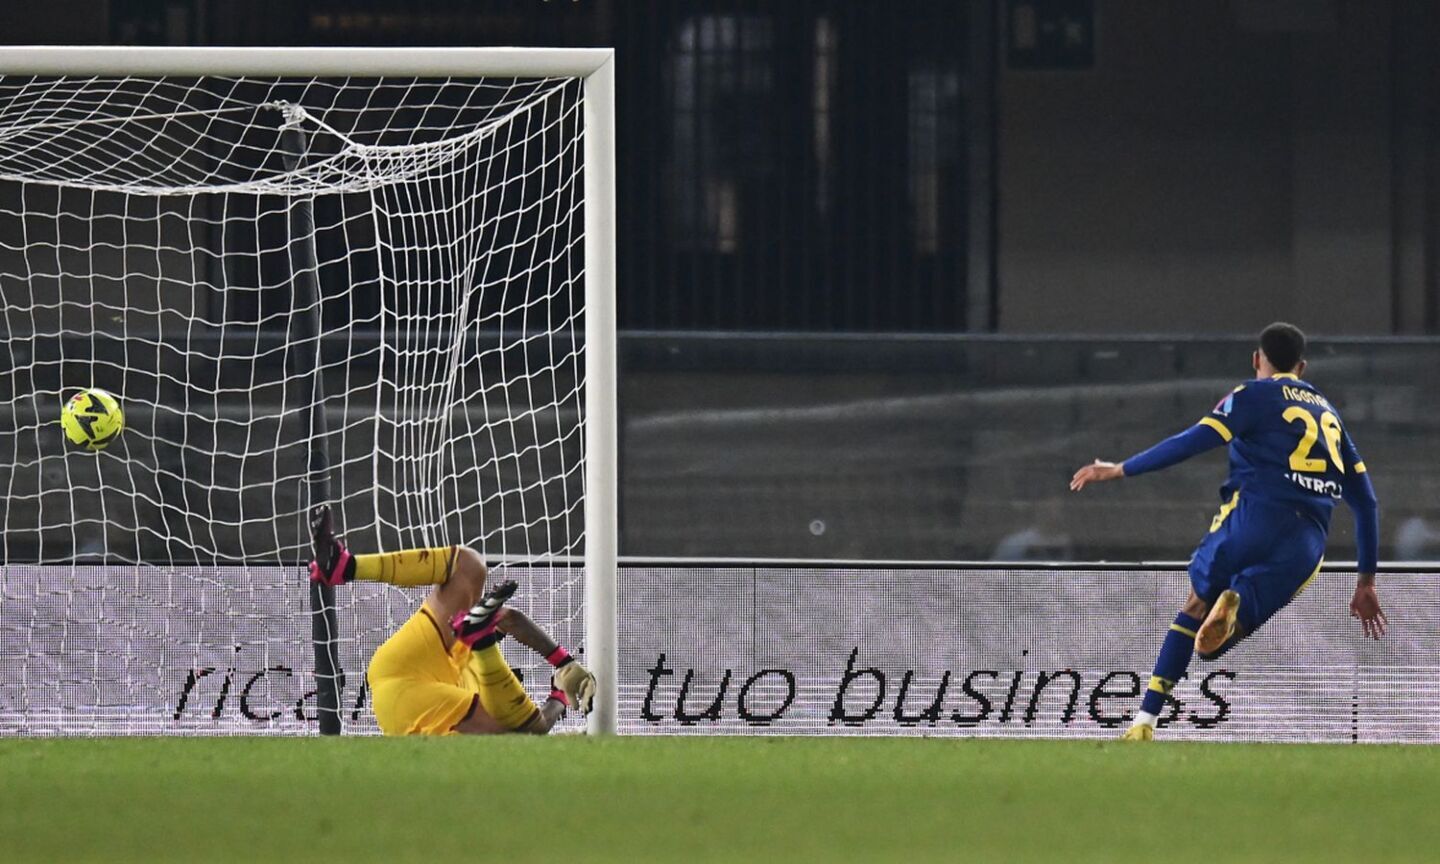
442,672
1290,461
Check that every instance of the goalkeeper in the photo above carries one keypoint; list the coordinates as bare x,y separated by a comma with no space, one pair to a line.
442,672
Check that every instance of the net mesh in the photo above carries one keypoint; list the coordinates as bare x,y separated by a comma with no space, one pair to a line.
149,246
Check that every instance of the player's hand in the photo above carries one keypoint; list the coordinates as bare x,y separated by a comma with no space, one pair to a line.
1096,472
1366,606
578,685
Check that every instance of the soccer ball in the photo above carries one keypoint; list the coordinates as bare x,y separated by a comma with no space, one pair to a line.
92,419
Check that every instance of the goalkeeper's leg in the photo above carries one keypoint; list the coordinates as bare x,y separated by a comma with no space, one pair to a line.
498,688
458,572
550,714
542,720
504,698
483,626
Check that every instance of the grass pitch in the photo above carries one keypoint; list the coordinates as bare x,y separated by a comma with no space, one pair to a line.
711,799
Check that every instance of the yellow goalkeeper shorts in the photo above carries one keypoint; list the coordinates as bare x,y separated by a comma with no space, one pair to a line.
417,687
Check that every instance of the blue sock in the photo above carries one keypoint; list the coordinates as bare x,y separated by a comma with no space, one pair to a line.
1170,666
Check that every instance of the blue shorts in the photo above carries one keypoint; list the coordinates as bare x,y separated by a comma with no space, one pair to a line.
1267,552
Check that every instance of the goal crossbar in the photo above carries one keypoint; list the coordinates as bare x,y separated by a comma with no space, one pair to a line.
319,62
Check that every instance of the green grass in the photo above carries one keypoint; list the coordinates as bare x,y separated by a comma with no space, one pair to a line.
711,799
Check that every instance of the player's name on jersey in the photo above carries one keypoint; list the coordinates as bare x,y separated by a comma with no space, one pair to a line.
1316,484
1299,394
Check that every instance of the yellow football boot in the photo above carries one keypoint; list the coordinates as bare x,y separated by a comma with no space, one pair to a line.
1141,732
1219,625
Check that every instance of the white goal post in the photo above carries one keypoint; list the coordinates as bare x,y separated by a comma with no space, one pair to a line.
593,68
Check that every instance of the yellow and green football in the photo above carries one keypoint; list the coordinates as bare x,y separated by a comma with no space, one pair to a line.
92,419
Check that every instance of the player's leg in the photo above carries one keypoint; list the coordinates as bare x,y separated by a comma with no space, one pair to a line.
1176,650
1221,630
479,722
549,714
501,692
1209,577
1282,551
1259,593
503,696
458,572
462,587
498,688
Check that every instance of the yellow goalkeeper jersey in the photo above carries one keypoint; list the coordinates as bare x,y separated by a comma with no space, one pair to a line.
418,687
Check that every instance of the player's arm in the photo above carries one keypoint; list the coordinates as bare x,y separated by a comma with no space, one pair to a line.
519,626
1229,418
1359,494
570,678
1175,449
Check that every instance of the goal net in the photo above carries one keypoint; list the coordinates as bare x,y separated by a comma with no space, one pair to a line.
365,288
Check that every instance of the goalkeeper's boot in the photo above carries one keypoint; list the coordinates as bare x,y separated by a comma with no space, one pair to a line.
1219,625
333,564
477,627
1139,732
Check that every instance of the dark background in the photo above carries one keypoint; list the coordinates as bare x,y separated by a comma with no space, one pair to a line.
889,271
1018,165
